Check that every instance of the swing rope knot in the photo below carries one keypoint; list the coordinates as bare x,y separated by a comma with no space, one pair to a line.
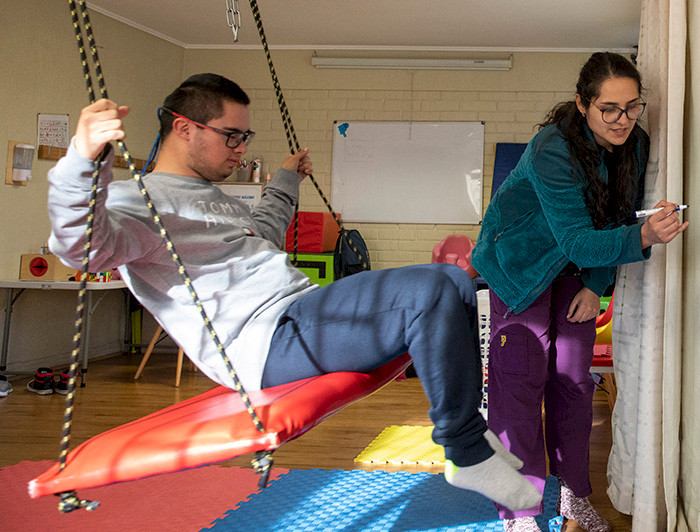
262,465
70,501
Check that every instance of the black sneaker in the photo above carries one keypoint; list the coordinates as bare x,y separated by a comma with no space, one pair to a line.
62,383
42,384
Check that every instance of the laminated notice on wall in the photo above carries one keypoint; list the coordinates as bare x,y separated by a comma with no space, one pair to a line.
52,130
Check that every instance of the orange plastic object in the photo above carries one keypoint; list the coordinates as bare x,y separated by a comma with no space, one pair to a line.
211,427
605,317
603,335
603,324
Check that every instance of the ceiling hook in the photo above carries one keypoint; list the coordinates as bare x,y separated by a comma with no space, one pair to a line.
233,17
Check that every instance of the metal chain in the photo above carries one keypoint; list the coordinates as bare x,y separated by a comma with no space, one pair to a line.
233,17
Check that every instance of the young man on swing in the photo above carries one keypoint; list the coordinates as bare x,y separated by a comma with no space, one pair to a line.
276,326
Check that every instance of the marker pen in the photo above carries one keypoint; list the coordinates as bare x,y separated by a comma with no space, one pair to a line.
649,212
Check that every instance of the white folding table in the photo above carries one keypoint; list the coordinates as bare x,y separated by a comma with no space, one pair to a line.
15,288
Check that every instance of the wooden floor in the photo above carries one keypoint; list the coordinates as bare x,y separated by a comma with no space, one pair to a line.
30,425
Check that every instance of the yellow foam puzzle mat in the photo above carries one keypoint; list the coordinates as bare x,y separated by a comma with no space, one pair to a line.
403,444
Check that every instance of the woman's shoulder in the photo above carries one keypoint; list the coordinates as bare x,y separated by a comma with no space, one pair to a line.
550,133
550,149
550,139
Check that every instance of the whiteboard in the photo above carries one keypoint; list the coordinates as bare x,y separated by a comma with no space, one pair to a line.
408,172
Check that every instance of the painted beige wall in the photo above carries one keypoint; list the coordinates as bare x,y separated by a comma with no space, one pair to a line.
42,74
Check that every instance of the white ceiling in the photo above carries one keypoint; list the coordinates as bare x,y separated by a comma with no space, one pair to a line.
478,25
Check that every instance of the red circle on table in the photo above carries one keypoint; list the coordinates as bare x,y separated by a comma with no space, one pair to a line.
38,266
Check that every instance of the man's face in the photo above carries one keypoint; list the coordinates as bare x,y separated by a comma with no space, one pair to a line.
208,156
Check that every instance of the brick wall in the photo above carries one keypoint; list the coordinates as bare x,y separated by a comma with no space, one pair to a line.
509,116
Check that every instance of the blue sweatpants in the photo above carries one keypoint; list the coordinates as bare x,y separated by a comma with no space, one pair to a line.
363,321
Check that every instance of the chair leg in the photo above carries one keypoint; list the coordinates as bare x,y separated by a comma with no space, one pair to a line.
178,373
148,352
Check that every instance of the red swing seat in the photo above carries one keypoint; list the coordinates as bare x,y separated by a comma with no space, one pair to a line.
211,427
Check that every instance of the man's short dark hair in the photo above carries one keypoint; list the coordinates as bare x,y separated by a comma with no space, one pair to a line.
200,98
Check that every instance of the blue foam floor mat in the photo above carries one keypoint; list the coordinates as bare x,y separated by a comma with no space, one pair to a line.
371,500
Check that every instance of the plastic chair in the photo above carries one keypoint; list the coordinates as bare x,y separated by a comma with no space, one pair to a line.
456,249
602,352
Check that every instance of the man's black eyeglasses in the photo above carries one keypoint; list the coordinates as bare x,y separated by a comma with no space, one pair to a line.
613,114
233,138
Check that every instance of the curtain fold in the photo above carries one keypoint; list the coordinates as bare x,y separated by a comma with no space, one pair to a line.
644,464
689,495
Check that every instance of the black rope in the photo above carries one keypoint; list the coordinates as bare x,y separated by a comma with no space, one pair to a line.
292,138
80,310
69,501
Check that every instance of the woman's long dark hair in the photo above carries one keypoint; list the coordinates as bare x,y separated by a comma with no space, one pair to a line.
604,204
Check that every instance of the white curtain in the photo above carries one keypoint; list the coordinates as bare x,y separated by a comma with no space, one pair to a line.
689,503
643,469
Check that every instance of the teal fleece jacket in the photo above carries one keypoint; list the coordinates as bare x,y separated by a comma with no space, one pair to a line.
537,222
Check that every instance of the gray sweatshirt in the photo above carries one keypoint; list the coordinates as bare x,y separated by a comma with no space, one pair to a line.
231,254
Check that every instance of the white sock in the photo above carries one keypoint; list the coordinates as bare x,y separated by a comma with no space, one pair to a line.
497,480
496,444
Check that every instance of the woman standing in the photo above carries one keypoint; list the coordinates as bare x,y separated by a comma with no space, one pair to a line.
549,246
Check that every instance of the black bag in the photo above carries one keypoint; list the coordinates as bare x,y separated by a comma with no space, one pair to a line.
346,260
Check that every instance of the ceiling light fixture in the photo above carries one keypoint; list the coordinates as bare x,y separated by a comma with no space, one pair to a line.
398,63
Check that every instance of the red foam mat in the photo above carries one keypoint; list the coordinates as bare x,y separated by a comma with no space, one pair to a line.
185,501
211,427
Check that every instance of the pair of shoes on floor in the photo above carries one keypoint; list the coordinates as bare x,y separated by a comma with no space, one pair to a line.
44,383
5,386
579,509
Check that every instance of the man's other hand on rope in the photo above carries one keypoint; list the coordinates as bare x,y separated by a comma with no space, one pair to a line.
299,162
99,123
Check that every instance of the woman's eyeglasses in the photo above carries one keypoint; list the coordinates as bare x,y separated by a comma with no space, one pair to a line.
613,114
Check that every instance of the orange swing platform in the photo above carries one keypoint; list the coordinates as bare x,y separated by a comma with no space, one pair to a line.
211,427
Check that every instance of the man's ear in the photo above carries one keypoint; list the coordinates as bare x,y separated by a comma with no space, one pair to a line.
182,128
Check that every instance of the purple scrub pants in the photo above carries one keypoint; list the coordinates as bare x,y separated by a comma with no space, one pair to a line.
538,355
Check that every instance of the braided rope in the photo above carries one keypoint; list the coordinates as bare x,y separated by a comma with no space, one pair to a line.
80,309
291,135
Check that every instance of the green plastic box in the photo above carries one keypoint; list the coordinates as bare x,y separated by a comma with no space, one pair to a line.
318,266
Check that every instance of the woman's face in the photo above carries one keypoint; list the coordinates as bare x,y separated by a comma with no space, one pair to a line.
620,93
